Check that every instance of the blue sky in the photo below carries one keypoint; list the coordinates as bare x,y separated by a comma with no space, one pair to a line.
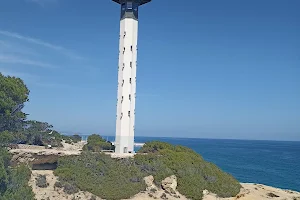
208,69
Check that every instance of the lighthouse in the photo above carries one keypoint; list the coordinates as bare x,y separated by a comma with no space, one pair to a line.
125,122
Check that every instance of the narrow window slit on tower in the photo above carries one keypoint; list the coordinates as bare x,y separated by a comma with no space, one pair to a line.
122,82
131,47
130,80
130,64
121,115
124,50
130,97
124,33
128,113
122,99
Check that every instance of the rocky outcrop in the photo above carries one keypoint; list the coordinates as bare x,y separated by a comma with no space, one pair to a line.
35,155
149,181
151,188
34,158
169,184
166,191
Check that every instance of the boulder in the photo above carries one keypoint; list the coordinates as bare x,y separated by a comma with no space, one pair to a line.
205,192
149,181
152,190
169,184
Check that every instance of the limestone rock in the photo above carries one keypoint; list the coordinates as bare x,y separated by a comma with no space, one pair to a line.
169,184
33,157
149,181
205,192
151,189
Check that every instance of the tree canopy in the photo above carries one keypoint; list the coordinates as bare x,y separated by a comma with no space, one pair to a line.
13,94
14,127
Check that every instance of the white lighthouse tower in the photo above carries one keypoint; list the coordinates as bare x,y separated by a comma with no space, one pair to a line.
124,141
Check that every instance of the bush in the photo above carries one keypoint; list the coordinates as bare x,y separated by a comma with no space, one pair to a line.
101,175
93,198
58,184
17,187
70,189
6,138
193,172
96,143
14,181
41,181
76,138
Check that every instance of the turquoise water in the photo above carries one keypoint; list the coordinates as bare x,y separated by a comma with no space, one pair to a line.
273,163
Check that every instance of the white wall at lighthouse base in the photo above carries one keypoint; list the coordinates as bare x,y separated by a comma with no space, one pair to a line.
125,141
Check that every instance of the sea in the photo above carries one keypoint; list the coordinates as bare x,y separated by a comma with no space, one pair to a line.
273,163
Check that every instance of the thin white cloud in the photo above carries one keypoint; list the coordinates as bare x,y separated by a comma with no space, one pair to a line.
17,60
57,48
13,48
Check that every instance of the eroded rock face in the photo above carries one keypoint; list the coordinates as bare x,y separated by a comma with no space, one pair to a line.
149,181
151,189
35,155
169,184
32,158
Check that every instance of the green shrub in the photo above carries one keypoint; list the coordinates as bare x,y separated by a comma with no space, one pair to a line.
6,138
193,172
17,187
70,189
58,184
76,138
101,175
4,172
96,143
41,181
93,198
14,181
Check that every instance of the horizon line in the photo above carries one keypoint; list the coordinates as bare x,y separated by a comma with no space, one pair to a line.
203,138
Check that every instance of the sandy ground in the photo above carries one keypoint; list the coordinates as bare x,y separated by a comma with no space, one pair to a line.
67,149
51,192
252,191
